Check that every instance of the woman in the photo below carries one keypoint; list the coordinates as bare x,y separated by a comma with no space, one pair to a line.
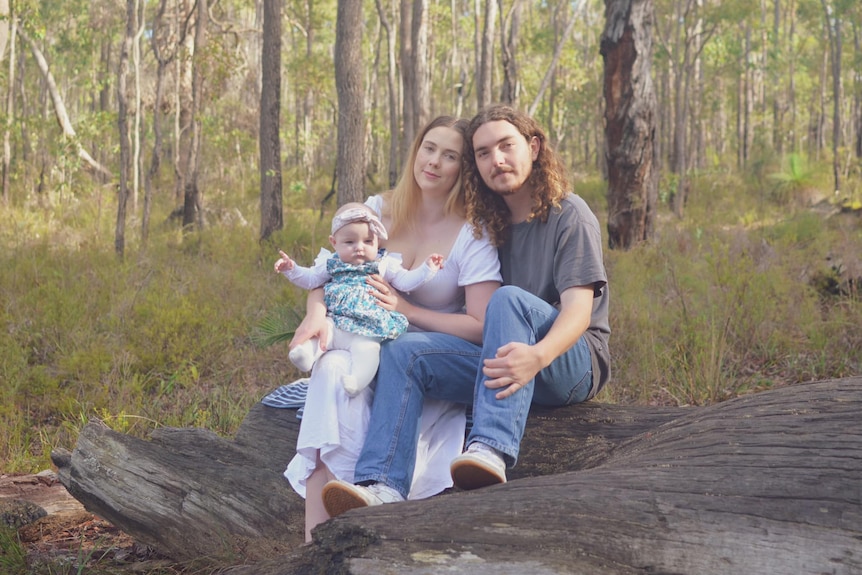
424,214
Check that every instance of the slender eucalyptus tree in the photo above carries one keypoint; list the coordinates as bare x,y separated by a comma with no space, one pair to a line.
833,19
165,41
485,50
11,25
510,34
350,163
123,127
271,212
192,196
392,93
630,131
415,77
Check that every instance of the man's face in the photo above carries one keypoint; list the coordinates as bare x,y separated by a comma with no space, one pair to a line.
504,157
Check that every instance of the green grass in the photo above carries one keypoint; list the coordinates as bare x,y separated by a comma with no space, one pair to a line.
159,338
732,299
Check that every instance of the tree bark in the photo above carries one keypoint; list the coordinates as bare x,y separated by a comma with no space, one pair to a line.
350,164
485,65
833,29
765,483
510,33
392,93
123,128
271,210
10,106
408,79
630,131
192,196
162,62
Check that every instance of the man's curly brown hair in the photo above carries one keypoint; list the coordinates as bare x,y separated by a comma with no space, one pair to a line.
549,183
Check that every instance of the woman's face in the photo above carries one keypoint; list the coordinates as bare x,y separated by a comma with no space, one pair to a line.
438,162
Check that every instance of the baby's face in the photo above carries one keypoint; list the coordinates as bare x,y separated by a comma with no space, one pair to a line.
355,243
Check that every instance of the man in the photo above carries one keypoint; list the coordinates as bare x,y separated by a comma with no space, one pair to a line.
546,330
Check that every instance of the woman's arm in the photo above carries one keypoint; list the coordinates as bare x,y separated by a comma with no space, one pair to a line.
464,325
314,323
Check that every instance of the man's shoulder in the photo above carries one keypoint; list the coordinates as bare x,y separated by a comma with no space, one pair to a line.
573,208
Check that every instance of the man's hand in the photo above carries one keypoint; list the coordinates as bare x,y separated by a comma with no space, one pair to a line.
514,366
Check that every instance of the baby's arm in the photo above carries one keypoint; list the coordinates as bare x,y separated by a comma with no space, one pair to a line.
284,263
435,262
306,278
408,280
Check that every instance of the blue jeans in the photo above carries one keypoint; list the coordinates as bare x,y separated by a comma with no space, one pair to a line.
441,366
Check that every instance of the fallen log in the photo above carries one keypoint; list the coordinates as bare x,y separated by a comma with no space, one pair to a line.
766,483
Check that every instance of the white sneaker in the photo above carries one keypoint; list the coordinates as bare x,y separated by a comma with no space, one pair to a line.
481,465
340,496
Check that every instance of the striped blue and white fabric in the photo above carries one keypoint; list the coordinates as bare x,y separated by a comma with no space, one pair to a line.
288,396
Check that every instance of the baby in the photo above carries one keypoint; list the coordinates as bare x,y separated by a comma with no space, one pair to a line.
357,322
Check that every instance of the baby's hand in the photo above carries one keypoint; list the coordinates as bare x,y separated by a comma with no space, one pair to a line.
435,262
284,263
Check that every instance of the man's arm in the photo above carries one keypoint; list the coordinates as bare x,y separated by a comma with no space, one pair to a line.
517,363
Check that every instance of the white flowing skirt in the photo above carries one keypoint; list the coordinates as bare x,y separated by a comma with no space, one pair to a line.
335,424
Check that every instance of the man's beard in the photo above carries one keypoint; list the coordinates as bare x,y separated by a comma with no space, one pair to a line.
503,192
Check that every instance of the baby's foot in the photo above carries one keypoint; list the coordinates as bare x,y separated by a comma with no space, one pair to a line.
301,358
351,386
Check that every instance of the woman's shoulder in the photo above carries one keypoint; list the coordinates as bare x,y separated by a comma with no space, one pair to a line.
468,246
376,203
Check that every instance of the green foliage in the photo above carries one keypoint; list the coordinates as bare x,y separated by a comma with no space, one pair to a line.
791,181
13,555
712,309
161,338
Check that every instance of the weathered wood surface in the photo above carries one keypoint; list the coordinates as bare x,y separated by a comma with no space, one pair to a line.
767,483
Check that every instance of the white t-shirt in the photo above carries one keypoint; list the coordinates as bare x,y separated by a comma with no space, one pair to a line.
470,261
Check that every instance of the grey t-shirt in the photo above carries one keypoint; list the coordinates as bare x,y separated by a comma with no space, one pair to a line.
548,258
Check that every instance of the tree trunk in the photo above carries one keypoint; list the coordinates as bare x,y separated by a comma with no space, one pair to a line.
833,29
192,195
10,107
422,78
485,65
392,92
509,92
350,164
765,483
123,128
140,12
857,91
408,79
271,211
162,62
630,106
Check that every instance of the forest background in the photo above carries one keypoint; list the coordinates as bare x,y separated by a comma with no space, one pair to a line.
138,226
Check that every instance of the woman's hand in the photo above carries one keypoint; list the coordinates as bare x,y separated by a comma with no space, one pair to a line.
387,296
314,323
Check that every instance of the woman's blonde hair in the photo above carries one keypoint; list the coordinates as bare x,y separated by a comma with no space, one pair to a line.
403,200
485,208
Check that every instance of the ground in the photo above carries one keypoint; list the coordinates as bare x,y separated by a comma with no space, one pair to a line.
70,535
